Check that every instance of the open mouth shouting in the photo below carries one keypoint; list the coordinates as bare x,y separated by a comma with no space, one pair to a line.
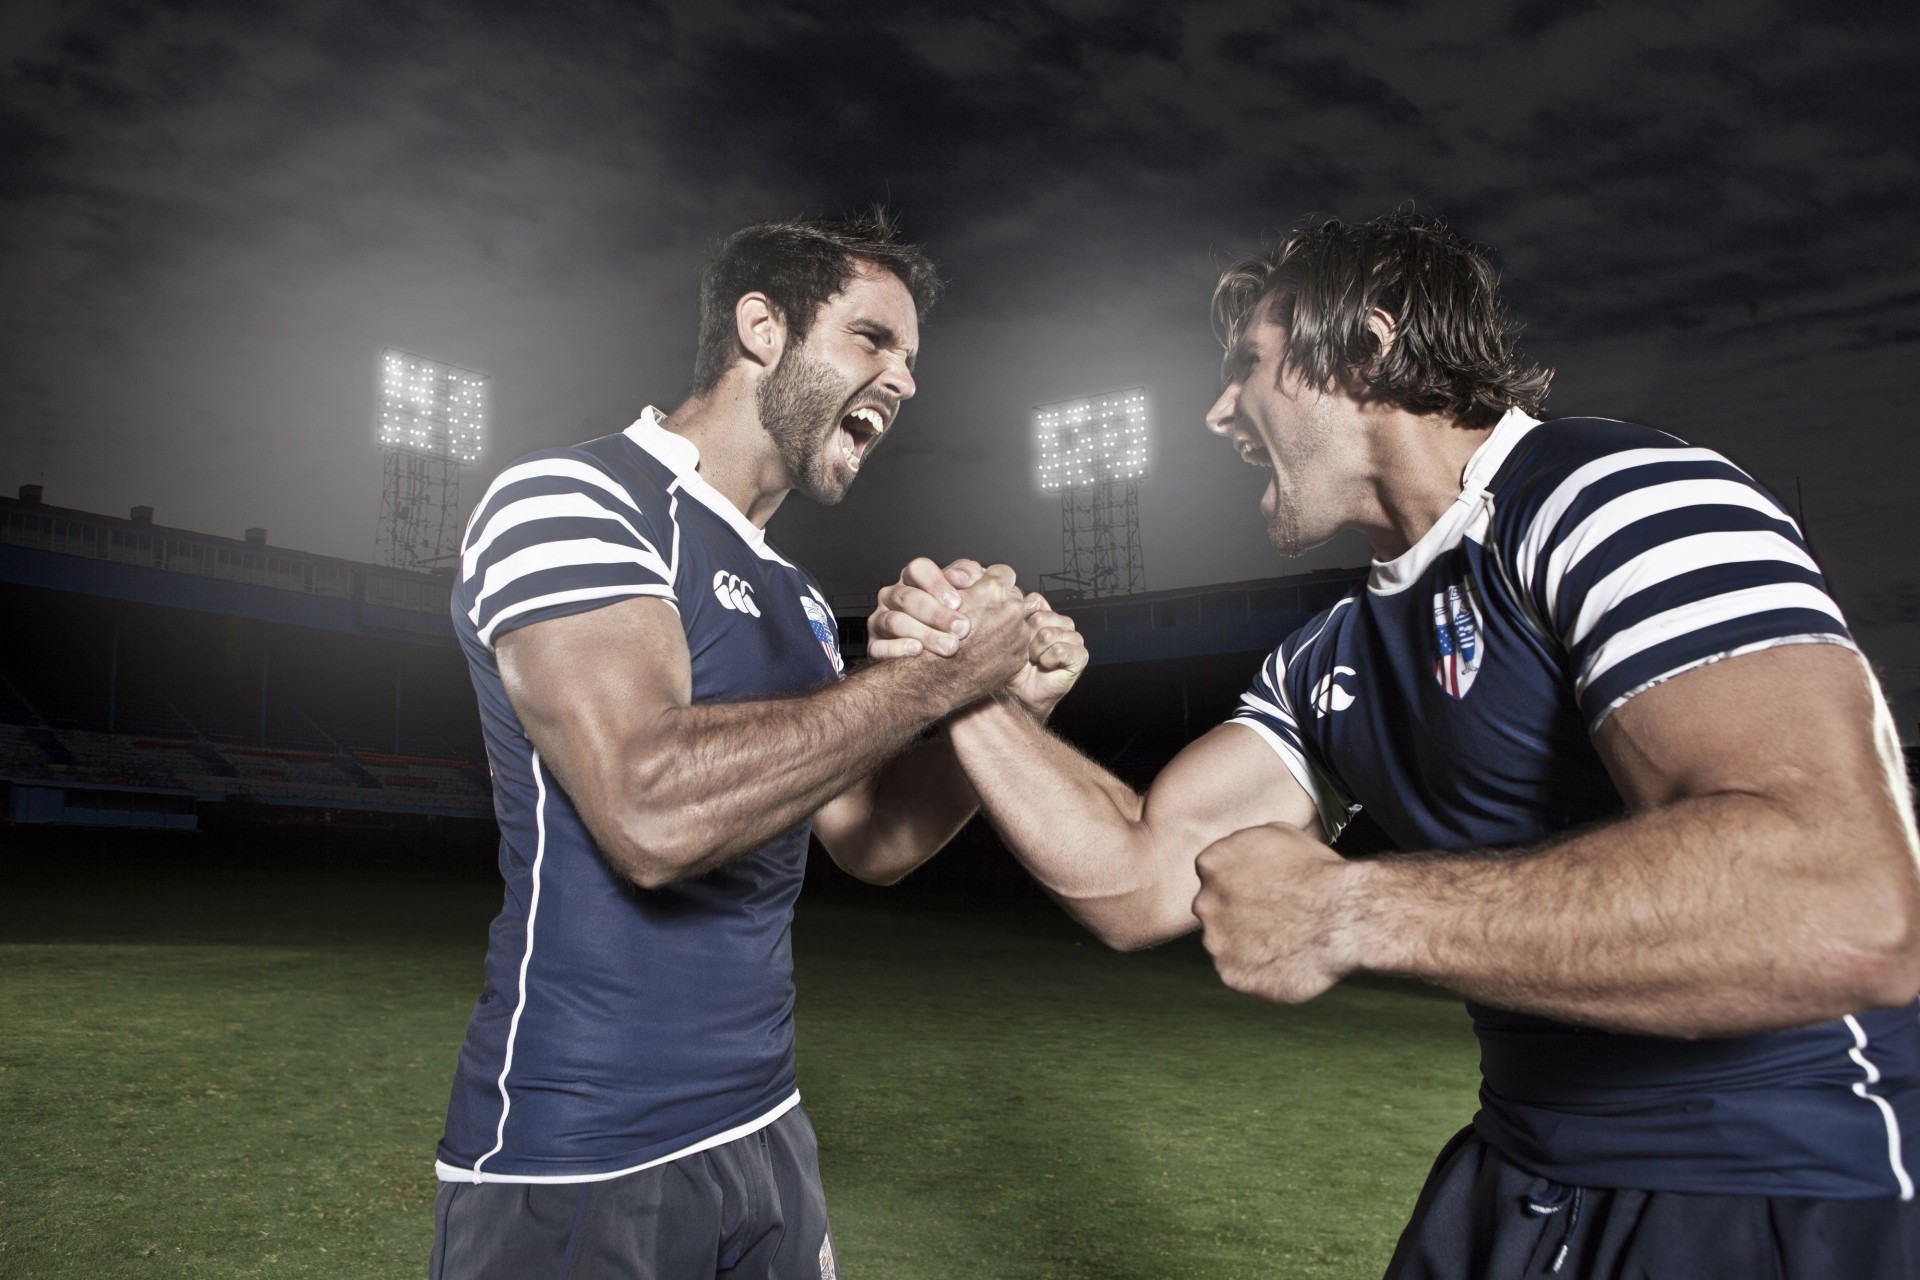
859,431
1252,454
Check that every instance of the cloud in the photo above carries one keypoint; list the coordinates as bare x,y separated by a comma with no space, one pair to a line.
212,215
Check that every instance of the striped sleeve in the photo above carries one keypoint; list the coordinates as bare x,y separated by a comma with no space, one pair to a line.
1648,562
1267,710
557,535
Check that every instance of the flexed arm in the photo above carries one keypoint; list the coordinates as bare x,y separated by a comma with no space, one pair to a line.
1122,863
671,788
1765,876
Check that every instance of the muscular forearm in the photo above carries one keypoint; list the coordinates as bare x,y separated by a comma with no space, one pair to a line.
1715,915
904,815
1076,828
720,779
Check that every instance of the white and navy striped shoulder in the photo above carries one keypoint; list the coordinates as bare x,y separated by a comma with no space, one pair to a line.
1268,708
564,531
1644,557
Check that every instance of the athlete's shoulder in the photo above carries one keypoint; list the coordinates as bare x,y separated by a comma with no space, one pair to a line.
1562,472
1554,451
1322,629
610,471
564,530
612,460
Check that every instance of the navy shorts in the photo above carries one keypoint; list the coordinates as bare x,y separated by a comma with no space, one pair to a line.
749,1210
1482,1217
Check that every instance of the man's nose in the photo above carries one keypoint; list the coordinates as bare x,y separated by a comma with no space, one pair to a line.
898,381
1220,417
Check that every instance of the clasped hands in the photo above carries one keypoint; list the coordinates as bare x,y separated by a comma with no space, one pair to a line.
933,610
1276,906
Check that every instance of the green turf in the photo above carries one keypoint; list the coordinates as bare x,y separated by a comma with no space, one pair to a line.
209,1070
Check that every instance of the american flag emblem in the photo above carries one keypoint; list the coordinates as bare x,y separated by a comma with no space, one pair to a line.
1456,635
820,618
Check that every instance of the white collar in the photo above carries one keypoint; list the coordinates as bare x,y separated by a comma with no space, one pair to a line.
1492,454
1389,576
682,457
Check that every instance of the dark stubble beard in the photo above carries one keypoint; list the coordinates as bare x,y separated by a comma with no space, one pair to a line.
1314,438
799,406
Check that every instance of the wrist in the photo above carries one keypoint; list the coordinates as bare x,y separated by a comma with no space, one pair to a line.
1013,704
1357,943
988,722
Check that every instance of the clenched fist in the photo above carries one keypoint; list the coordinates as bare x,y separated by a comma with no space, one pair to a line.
1280,912
1056,655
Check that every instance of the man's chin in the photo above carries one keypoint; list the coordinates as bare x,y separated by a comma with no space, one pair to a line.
1291,543
828,491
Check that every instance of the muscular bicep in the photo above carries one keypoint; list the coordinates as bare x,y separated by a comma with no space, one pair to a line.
1800,725
593,691
1225,781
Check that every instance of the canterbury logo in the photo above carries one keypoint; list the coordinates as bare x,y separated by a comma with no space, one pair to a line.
734,594
1329,696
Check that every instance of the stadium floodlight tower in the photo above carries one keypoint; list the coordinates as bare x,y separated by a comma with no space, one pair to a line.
431,419
1093,452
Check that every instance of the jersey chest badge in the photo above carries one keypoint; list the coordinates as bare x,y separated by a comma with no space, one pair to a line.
1459,645
820,618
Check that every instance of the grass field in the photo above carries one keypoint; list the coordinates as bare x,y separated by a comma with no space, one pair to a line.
211,1068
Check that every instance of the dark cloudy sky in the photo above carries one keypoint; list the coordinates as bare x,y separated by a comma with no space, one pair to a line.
212,217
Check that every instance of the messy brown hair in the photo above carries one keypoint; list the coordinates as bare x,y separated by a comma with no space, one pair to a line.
1452,351
800,264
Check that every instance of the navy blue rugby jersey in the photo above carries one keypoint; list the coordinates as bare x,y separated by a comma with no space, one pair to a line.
1454,695
620,1027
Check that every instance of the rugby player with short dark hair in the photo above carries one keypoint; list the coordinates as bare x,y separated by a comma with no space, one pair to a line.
1650,797
665,719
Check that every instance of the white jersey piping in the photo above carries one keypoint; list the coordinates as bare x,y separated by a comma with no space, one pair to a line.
1894,1158
673,518
526,959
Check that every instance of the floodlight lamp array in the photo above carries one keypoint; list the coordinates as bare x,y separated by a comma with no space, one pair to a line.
1098,438
431,408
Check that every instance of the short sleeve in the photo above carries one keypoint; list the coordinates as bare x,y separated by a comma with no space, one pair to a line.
556,535
1649,562
1267,709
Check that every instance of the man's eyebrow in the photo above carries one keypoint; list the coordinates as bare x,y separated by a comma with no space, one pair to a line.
882,335
1241,356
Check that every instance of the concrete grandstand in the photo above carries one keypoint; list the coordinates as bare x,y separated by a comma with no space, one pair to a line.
152,677
157,677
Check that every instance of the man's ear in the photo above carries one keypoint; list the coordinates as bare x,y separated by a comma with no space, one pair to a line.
759,330
1383,328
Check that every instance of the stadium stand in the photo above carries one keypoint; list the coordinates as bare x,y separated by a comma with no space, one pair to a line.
153,677
158,678
192,677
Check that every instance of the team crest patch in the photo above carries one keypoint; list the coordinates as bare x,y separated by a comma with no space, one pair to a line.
820,618
827,1270
1460,646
